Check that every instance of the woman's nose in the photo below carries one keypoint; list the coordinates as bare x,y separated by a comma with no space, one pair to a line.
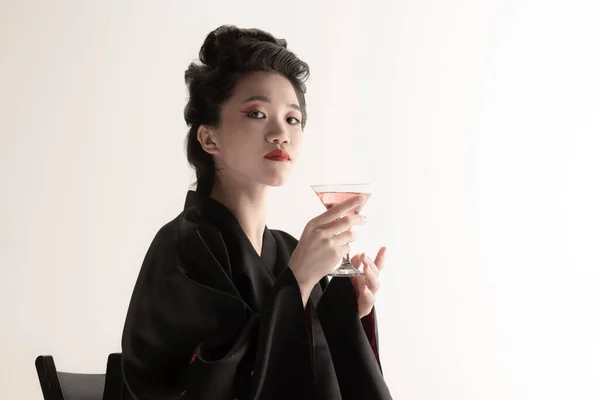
280,136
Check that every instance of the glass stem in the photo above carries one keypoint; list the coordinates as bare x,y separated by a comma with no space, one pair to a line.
347,259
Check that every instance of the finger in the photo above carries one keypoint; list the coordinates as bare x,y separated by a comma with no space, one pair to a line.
373,281
380,259
368,261
368,297
359,282
344,237
341,209
356,260
344,224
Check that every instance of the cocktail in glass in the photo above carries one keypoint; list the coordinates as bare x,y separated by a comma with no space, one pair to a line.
330,195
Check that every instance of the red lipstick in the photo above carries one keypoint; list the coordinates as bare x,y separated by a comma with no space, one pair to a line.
278,155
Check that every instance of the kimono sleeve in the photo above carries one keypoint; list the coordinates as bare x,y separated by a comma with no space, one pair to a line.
354,355
188,335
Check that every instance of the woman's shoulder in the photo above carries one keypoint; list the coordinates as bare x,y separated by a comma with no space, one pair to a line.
183,227
185,243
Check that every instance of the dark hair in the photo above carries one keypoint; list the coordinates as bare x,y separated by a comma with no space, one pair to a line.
227,54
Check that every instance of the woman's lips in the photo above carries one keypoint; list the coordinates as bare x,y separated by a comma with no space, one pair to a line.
278,155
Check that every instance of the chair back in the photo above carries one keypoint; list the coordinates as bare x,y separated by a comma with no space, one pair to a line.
59,385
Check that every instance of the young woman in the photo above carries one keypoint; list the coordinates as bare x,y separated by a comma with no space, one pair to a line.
224,307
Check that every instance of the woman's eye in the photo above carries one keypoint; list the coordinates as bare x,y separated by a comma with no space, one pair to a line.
256,114
261,115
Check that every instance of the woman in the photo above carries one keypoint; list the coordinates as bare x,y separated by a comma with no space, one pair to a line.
224,307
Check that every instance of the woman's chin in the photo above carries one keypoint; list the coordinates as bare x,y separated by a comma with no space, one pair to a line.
275,180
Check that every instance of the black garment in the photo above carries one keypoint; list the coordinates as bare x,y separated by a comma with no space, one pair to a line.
211,319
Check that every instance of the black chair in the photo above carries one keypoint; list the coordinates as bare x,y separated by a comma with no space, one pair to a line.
58,385
114,387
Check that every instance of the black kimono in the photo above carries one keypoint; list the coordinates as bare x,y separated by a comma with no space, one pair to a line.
211,319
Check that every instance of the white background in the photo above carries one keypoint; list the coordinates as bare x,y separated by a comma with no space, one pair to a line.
480,119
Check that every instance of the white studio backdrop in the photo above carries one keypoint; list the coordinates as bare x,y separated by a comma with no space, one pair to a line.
478,119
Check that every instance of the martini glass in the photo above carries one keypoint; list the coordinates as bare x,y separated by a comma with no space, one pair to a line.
330,195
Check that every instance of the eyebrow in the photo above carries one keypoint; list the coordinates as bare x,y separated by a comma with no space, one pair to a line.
268,100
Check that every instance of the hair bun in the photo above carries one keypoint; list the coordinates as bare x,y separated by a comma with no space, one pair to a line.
220,44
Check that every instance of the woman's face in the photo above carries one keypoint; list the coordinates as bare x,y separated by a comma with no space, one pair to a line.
262,115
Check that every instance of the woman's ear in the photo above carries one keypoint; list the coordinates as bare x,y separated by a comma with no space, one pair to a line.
208,140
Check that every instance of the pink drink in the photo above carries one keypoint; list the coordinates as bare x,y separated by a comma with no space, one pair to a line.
330,199
333,194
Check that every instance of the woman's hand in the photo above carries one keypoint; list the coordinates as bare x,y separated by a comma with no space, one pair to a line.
324,242
366,286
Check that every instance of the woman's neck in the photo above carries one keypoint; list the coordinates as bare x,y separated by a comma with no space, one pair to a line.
248,205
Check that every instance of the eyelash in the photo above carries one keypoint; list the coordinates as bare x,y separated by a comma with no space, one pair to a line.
256,111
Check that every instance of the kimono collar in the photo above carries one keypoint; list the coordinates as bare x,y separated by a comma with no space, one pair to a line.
192,199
